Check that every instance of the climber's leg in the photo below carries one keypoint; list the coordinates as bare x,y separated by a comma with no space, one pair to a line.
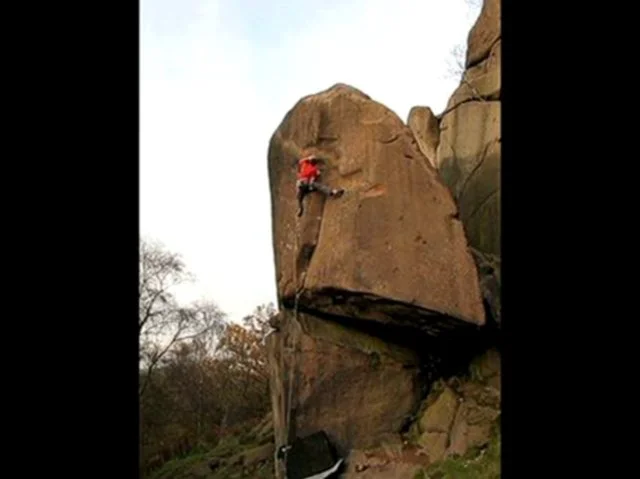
302,190
326,190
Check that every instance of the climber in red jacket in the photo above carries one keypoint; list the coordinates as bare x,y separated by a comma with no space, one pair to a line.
308,173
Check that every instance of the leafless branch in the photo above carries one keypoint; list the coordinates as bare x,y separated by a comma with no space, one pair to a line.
162,322
457,62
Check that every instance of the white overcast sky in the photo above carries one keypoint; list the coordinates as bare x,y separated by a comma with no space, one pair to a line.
216,79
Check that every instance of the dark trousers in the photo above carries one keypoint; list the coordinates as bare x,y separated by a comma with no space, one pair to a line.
305,187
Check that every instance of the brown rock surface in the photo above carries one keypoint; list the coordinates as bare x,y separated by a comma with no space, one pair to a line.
469,159
396,462
392,250
488,366
355,387
391,242
461,411
472,427
439,416
480,82
434,444
436,422
485,32
424,125
489,273
469,149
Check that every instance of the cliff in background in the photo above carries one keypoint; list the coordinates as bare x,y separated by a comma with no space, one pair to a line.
463,144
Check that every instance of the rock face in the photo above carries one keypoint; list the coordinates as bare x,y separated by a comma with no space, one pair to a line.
436,423
489,271
426,130
473,171
352,385
460,414
469,149
468,155
482,81
383,292
392,240
485,33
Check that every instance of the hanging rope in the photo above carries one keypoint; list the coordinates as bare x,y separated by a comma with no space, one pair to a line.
294,335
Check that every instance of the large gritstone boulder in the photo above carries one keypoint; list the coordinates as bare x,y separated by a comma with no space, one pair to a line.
392,249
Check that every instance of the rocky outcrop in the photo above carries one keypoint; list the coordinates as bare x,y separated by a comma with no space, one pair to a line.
353,385
391,460
468,157
460,416
436,423
485,33
469,148
460,412
481,82
489,272
470,164
388,292
392,247
424,125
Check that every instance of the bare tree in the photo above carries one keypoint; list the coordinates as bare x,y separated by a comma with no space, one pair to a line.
457,71
163,323
258,321
202,392
456,62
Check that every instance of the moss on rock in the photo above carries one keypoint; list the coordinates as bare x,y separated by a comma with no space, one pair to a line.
477,463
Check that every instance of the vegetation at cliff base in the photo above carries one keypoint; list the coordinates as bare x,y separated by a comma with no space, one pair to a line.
203,379
479,463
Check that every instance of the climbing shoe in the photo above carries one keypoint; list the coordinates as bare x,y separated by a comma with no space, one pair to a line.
337,193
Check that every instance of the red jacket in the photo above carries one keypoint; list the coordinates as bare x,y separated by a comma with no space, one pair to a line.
307,171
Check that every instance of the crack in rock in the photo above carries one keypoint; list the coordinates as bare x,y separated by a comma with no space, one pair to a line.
482,203
476,168
375,190
484,57
482,99
390,140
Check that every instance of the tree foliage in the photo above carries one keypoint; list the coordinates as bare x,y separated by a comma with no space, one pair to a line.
163,323
201,376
